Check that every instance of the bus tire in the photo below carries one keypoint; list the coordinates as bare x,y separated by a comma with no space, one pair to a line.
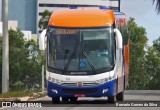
120,96
65,99
55,100
111,99
73,99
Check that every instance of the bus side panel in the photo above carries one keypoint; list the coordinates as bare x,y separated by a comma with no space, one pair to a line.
120,71
126,64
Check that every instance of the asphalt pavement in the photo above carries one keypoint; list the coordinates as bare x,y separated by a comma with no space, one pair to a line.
133,100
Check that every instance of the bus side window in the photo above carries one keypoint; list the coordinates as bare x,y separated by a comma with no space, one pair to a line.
114,41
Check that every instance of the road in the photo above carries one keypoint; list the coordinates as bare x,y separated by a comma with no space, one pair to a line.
132,97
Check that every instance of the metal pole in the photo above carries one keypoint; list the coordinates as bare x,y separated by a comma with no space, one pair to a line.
42,78
5,53
119,5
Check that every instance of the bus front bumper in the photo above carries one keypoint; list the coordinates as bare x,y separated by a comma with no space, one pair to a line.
106,89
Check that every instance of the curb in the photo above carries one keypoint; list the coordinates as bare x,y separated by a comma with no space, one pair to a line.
26,98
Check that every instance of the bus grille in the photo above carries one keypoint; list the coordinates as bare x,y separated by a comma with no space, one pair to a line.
80,91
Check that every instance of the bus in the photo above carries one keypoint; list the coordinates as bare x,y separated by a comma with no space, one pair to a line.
85,54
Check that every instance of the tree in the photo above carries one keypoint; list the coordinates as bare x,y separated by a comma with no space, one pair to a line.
43,22
157,5
153,65
25,62
17,55
138,41
156,44
36,60
144,59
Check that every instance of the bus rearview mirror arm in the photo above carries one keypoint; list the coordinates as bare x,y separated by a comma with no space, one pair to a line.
42,40
118,36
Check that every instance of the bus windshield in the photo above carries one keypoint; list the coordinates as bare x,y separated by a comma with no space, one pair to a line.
80,50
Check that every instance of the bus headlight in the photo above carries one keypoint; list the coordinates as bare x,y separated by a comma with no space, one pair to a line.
112,76
51,79
55,80
101,81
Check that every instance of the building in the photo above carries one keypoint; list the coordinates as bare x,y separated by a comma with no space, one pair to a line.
53,5
23,11
27,35
14,25
11,25
28,12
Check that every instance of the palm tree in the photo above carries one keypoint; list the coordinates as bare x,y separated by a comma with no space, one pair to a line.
157,5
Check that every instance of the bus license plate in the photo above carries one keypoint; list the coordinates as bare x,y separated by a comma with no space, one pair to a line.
79,95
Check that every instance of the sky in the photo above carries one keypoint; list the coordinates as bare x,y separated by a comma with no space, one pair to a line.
145,15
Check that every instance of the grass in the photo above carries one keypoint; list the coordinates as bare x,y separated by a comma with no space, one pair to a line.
18,94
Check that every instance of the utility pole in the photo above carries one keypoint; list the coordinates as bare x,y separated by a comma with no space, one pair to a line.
42,78
5,46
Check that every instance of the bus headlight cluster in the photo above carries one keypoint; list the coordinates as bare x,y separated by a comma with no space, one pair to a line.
101,81
55,80
111,77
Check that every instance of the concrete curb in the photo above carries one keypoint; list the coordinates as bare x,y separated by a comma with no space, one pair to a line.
26,98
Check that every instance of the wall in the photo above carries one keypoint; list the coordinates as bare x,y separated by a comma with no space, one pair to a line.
11,25
24,11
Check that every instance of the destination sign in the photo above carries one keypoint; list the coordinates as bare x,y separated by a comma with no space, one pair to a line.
65,31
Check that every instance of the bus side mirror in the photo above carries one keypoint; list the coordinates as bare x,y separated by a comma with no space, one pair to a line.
118,36
42,40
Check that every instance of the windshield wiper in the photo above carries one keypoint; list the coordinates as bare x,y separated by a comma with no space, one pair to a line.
90,62
71,57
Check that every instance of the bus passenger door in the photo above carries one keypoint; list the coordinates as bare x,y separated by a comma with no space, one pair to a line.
120,71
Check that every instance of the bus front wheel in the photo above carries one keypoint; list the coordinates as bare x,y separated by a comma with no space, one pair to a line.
73,99
120,96
111,99
55,100
65,99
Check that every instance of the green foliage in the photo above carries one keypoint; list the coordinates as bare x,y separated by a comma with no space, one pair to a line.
153,65
144,60
18,85
16,94
138,41
156,45
25,62
43,22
